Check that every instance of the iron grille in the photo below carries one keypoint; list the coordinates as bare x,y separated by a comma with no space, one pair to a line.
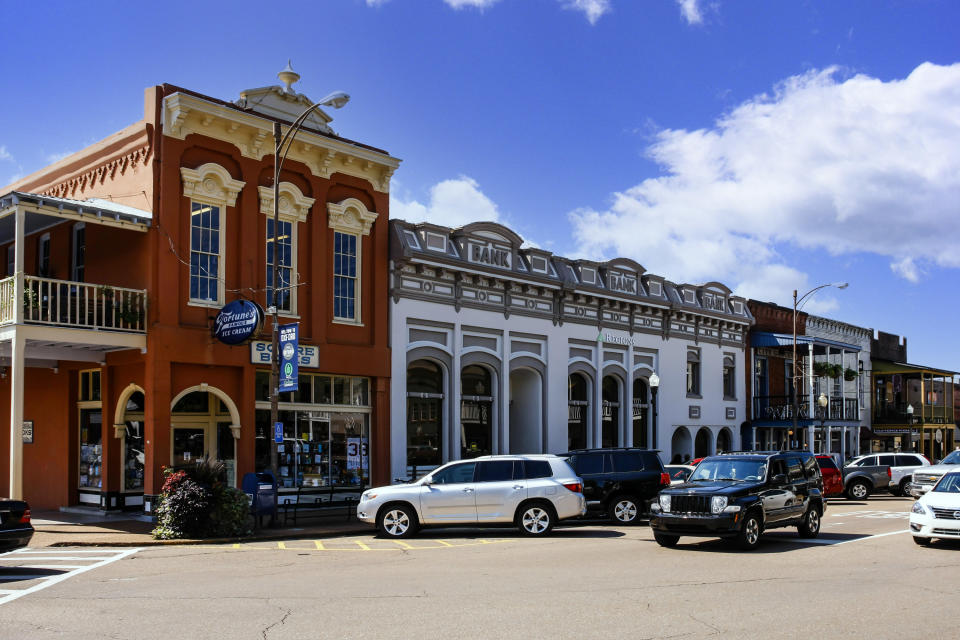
945,514
690,504
946,532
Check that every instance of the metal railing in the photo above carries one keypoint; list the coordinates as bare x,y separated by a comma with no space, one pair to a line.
64,303
781,408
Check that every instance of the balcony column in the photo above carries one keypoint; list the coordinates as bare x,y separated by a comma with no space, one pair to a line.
452,437
810,398
626,414
17,346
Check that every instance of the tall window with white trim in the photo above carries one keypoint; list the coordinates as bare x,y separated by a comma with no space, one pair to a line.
284,254
345,276
205,226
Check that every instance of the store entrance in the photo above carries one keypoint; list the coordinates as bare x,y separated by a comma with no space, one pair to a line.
201,428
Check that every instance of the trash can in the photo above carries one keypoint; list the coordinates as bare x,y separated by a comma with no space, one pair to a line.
261,489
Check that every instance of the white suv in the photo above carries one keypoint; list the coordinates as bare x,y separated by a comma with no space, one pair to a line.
531,491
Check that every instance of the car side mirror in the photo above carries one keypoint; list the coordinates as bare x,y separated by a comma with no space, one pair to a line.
427,481
780,478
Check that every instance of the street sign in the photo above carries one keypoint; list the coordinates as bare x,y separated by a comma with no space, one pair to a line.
278,433
289,374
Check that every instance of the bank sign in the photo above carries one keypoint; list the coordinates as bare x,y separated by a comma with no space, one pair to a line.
238,322
307,355
613,338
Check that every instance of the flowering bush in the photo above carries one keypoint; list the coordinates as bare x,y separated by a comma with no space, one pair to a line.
195,502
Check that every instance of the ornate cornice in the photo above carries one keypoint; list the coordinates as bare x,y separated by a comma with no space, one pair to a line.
293,204
212,182
350,216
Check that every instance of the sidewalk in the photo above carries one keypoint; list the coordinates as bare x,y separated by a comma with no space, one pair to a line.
57,529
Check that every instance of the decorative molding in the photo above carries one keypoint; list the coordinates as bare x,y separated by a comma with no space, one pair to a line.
119,430
351,216
210,181
235,431
293,204
130,161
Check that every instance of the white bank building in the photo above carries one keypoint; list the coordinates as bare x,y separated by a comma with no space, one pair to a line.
501,349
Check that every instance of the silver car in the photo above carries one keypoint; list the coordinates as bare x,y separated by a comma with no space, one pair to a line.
531,491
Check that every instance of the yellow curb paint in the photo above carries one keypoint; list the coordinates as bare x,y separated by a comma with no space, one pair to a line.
320,546
236,545
281,545
363,545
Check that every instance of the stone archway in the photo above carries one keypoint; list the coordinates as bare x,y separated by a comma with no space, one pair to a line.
702,445
724,440
526,411
681,445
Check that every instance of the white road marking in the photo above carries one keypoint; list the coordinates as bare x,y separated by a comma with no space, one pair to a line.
878,535
96,559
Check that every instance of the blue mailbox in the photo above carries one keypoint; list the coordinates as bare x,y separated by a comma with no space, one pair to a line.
262,490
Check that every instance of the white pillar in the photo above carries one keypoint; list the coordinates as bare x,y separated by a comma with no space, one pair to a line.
453,442
595,434
504,405
17,346
626,439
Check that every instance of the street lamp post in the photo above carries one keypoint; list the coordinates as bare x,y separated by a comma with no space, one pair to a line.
654,387
822,402
336,100
796,376
909,428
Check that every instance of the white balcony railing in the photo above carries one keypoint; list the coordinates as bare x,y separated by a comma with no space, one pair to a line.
63,303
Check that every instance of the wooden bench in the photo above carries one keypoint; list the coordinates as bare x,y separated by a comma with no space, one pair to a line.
315,501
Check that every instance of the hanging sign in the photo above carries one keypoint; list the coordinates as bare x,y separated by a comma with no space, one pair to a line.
289,374
238,322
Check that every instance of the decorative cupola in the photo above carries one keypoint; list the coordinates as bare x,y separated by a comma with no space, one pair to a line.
284,103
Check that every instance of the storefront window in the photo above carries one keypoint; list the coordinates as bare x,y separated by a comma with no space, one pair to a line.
133,456
424,414
577,408
640,413
91,440
476,427
611,412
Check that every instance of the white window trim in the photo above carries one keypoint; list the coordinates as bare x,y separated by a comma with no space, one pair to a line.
80,226
44,239
294,207
212,185
352,217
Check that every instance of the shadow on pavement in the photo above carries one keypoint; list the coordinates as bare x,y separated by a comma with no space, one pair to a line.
20,574
504,532
773,542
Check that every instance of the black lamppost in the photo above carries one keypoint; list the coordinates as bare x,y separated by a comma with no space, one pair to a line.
654,386
909,428
336,100
822,402
796,375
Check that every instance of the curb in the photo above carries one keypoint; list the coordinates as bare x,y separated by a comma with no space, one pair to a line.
264,538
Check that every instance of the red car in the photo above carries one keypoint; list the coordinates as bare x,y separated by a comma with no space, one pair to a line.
832,479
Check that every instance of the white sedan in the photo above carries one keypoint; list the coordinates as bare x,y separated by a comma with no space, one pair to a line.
937,513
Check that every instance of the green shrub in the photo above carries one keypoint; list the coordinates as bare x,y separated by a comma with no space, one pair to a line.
196,502
231,514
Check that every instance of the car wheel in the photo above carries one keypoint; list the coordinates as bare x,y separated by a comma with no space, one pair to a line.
397,521
749,535
624,510
921,541
809,527
535,519
666,541
858,491
905,488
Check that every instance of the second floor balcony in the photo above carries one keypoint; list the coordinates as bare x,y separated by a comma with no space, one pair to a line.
780,409
63,303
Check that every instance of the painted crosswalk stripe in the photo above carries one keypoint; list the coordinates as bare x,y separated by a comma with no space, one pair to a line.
47,580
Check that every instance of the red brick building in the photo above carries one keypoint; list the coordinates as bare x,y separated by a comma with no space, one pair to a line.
124,252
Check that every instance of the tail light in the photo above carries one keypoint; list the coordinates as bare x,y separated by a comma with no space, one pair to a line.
575,487
889,473
664,479
25,518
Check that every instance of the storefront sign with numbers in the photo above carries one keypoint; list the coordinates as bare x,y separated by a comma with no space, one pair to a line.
356,453
28,432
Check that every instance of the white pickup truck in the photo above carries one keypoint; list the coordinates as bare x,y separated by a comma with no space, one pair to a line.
924,478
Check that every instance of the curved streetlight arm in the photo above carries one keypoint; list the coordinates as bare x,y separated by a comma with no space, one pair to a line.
838,285
336,100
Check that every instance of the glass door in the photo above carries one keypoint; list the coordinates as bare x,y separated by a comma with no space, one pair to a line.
226,451
189,444
91,452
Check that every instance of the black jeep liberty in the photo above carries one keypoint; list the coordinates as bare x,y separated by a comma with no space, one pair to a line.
740,495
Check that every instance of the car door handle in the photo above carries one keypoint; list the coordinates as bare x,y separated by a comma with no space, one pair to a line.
517,486
468,490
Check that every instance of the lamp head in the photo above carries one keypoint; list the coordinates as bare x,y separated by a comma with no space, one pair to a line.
336,99
654,380
822,400
909,409
842,285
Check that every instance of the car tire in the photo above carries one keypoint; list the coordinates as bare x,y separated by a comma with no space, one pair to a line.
921,541
809,527
535,519
665,540
624,510
748,538
904,488
858,490
397,521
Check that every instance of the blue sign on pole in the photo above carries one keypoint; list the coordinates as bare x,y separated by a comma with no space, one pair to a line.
289,373
278,432
238,322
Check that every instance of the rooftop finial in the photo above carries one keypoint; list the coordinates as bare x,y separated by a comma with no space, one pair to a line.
288,76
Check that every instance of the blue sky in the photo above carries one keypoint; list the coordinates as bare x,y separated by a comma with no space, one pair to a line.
768,145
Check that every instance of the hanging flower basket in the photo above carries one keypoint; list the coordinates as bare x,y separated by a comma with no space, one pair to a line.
821,369
836,370
850,375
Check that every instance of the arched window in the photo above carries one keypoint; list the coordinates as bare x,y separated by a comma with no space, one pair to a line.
424,413
577,411
611,412
476,405
641,413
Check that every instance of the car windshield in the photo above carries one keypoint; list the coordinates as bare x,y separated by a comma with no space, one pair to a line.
953,458
950,483
729,469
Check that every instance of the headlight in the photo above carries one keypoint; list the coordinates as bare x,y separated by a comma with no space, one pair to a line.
718,504
665,503
918,508
367,496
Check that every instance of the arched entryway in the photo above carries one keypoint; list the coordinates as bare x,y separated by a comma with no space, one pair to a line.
476,412
610,424
724,440
578,411
204,423
681,445
128,425
424,413
526,411
702,444
641,412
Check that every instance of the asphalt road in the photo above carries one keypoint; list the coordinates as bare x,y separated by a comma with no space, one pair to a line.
863,576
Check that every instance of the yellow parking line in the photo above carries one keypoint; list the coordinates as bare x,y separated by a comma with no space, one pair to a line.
281,545
404,544
363,545
320,546
236,545
444,543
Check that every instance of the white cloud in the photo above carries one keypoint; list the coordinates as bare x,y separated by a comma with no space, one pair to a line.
690,10
824,163
452,203
592,9
4,154
471,4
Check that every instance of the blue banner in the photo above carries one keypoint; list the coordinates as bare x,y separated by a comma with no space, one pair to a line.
289,370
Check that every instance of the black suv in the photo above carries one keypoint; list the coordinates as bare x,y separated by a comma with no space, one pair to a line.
621,483
740,495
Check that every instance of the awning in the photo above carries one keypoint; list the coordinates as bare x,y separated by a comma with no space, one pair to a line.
885,366
42,212
770,339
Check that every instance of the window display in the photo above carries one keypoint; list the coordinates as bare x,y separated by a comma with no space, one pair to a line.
91,451
133,456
